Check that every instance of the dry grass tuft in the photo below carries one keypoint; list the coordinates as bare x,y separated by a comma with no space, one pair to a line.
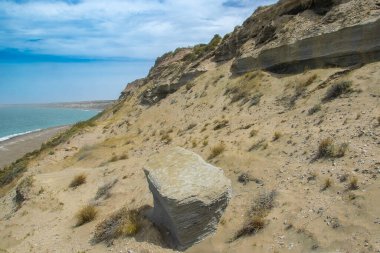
314,109
259,210
78,180
353,184
220,124
217,150
123,223
116,158
104,191
277,135
326,184
86,214
259,144
194,143
338,89
166,138
327,149
253,133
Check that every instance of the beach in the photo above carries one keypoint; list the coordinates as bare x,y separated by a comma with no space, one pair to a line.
16,147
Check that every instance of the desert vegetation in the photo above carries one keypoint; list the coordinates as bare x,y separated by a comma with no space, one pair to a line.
78,180
123,223
261,207
86,214
328,149
217,150
338,89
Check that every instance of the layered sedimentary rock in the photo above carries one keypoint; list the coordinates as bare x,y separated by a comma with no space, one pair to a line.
189,195
161,91
346,47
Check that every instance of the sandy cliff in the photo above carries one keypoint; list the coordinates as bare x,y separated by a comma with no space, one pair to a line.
301,148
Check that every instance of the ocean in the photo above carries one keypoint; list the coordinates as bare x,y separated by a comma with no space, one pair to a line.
18,120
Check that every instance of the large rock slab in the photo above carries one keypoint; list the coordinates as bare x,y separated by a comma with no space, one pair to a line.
189,195
358,44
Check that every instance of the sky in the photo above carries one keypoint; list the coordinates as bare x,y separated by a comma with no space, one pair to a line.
80,50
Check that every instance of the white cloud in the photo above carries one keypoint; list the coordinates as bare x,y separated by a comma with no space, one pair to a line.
116,28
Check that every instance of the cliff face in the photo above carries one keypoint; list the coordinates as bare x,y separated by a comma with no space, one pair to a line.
287,37
349,46
301,148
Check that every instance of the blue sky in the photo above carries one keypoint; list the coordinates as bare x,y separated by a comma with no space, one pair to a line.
70,50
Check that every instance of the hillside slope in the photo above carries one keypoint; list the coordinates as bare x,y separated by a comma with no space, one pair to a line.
310,137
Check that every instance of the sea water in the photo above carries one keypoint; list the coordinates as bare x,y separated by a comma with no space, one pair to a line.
18,120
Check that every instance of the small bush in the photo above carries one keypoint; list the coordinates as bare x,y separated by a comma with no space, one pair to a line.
314,109
353,184
255,100
116,158
277,135
221,124
327,149
13,171
191,126
251,227
85,215
238,96
78,180
260,209
312,176
326,184
217,150
166,138
22,190
338,89
121,223
205,142
259,144
253,133
104,191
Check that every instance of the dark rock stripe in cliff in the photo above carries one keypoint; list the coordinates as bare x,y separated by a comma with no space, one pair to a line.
346,47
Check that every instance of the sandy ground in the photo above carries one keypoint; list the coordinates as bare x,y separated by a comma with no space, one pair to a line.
305,218
16,147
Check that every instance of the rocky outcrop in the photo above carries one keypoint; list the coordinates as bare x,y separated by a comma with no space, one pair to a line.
131,87
266,23
189,195
152,95
346,47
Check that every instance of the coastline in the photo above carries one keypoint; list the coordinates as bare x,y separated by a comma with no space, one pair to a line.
17,146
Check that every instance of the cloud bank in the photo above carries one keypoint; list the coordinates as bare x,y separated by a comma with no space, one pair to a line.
131,29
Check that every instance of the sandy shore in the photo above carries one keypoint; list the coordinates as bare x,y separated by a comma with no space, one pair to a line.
16,147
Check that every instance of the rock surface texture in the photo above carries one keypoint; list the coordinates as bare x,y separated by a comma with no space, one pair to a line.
346,47
189,194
